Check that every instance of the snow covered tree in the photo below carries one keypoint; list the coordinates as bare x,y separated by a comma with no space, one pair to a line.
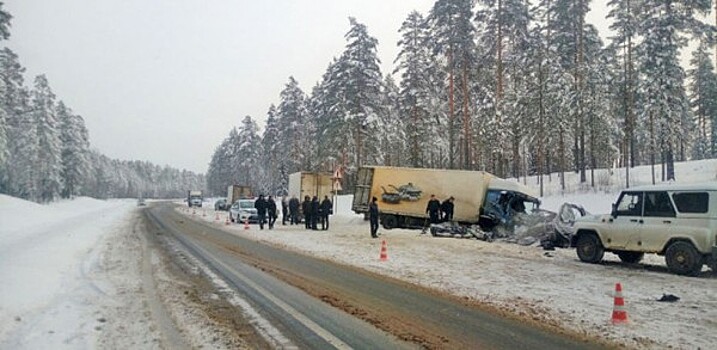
270,153
503,41
49,156
291,124
415,63
665,106
391,127
75,145
453,36
359,84
703,101
622,45
247,157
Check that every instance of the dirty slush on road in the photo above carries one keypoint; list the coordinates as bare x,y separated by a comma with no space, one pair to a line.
189,301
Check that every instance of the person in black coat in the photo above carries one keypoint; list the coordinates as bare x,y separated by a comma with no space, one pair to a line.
326,210
306,210
315,212
433,209
294,210
271,210
447,209
284,210
373,217
260,205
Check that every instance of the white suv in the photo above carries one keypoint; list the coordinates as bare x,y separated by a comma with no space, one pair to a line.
677,221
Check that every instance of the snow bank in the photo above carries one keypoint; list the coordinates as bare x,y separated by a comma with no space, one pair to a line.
45,252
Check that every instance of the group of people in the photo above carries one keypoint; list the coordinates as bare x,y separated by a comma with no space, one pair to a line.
313,211
440,212
265,207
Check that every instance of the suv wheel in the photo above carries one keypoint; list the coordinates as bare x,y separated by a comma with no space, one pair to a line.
589,248
683,259
631,257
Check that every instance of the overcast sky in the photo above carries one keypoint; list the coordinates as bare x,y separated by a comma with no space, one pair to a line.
165,80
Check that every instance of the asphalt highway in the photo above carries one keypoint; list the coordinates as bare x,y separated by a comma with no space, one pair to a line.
316,304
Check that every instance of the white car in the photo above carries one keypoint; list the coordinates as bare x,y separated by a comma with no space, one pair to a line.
677,221
243,210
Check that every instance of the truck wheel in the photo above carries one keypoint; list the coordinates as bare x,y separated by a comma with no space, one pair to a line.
683,259
631,257
390,222
589,248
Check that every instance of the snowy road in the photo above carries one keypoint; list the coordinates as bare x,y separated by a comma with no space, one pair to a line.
411,313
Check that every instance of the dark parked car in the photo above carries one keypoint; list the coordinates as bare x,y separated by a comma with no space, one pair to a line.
221,204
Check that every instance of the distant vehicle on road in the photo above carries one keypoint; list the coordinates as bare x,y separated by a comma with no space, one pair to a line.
221,204
677,221
243,210
194,198
140,202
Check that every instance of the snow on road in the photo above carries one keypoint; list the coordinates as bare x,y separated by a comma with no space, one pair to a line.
552,288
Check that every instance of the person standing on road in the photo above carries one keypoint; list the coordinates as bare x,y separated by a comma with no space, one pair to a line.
284,210
373,217
306,210
315,212
433,209
326,210
294,210
447,209
260,205
271,210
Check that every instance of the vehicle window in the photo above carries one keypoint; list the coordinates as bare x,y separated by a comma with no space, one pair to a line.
692,202
630,204
246,205
658,204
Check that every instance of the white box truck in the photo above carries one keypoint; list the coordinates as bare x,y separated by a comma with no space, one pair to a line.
235,192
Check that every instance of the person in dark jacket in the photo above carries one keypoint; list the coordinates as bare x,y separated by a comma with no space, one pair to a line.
294,210
260,205
433,209
284,210
271,210
373,217
306,210
326,210
447,209
315,212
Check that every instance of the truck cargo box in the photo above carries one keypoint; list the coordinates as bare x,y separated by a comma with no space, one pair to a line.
403,193
310,184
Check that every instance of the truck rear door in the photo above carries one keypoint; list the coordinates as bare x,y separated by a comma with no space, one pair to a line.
362,193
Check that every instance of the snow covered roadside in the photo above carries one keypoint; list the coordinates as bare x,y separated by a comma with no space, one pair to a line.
48,254
553,288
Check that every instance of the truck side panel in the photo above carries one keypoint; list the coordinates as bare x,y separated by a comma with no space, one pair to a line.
406,191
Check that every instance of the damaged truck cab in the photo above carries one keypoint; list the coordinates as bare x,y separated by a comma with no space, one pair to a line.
403,193
677,221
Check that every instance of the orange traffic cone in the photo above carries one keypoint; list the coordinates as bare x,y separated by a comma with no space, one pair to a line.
216,216
384,251
246,223
227,222
619,315
194,211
